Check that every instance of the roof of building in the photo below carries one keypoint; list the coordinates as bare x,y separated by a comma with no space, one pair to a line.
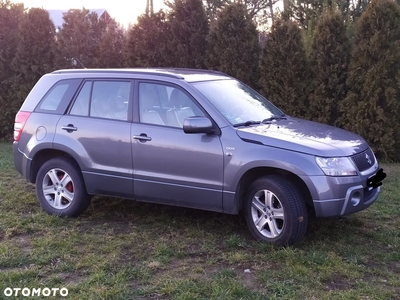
56,15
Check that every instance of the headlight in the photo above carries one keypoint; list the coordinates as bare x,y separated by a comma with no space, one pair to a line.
336,166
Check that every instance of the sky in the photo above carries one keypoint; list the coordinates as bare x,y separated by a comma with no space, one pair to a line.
123,11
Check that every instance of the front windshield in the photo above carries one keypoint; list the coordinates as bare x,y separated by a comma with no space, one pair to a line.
237,102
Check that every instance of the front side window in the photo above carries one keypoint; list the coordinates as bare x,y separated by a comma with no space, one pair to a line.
166,105
237,102
103,99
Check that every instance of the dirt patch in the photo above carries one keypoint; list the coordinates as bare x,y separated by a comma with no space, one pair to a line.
248,277
24,243
70,279
29,188
394,266
338,284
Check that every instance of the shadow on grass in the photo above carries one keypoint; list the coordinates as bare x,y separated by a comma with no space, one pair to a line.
120,212
117,212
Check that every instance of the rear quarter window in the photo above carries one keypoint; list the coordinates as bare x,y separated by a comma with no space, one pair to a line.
58,97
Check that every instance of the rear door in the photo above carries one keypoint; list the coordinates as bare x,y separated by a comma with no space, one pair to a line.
97,132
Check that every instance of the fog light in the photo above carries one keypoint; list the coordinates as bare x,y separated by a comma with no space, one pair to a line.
355,198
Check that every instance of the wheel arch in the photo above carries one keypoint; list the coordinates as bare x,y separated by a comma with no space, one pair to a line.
251,175
44,155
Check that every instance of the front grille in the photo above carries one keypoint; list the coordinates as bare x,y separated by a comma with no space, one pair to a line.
364,160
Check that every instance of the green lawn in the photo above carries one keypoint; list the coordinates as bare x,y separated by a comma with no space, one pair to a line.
121,249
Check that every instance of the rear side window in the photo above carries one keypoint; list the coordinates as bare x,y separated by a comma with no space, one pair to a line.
58,97
108,99
81,105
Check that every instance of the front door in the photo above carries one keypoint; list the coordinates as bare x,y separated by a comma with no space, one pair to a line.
170,166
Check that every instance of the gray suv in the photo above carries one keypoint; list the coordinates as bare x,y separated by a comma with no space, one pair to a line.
191,138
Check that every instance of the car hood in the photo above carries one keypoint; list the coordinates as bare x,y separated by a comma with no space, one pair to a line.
304,136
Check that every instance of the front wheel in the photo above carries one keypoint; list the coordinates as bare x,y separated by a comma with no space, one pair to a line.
60,188
275,211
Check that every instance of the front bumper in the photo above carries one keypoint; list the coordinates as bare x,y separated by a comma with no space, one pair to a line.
339,196
357,198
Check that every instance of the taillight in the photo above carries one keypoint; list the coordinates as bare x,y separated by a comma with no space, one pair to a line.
20,120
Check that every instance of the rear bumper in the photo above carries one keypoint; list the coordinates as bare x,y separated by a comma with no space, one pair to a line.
21,162
18,156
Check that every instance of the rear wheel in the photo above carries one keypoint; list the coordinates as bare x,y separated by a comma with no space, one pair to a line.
275,211
60,188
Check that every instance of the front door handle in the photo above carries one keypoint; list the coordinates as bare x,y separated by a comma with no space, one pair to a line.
69,128
142,137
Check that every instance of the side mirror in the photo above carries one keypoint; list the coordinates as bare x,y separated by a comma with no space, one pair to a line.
197,125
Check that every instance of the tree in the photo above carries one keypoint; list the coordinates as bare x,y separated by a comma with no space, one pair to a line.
304,12
188,27
307,12
284,71
34,55
358,7
79,38
147,42
10,18
233,45
111,47
373,101
213,8
259,10
330,53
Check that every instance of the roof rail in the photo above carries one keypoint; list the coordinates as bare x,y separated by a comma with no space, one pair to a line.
190,70
141,71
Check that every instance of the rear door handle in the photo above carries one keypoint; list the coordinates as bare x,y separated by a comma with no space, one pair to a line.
142,137
69,128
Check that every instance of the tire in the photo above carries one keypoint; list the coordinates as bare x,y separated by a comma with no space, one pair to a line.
60,188
275,211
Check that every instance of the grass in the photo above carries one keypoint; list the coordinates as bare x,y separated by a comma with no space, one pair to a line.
121,249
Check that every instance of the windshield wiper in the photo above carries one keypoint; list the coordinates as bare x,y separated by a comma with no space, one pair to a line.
247,123
274,118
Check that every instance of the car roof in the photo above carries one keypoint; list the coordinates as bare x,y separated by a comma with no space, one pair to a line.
189,75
